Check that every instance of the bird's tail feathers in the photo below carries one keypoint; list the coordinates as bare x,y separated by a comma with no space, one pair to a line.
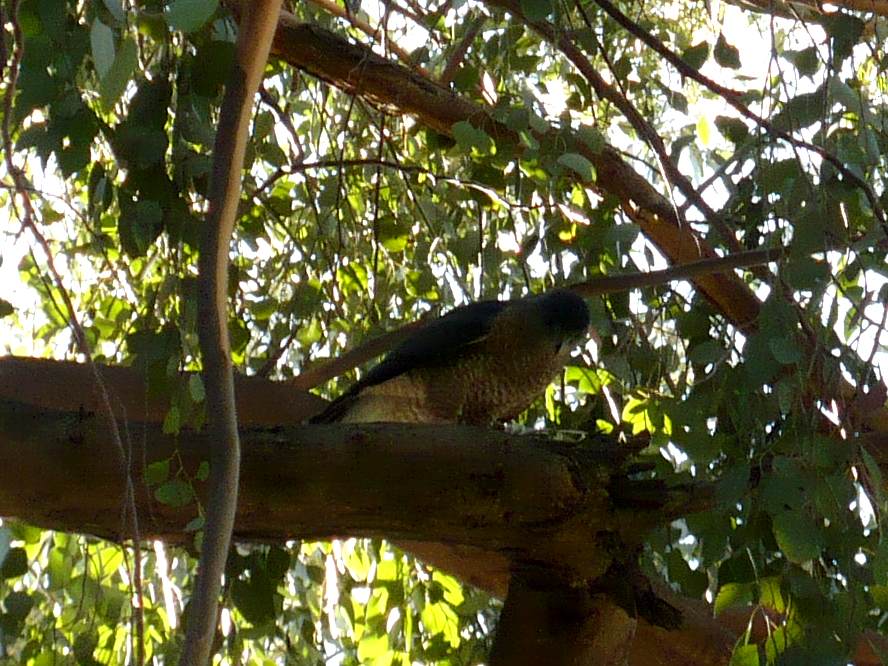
336,410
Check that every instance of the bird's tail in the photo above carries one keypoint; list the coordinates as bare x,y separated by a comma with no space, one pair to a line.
336,410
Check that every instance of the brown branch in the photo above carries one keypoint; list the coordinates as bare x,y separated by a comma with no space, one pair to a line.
333,8
609,284
392,480
56,471
879,7
459,53
547,621
253,44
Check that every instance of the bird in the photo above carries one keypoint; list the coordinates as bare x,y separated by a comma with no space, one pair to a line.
479,364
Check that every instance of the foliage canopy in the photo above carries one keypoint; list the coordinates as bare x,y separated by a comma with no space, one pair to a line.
357,217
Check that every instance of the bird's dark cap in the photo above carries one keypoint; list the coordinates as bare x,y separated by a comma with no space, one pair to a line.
566,311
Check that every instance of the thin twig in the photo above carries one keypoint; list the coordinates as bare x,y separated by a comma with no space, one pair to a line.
459,53
253,43
617,283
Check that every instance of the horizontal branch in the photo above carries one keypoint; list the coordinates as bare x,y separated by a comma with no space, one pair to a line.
468,485
526,496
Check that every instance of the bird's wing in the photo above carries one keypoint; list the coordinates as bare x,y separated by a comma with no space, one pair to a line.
436,344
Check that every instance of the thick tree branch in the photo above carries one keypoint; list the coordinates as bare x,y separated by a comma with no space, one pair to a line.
568,624
527,497
55,472
373,33
253,44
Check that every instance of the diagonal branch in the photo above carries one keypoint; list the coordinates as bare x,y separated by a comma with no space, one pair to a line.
733,98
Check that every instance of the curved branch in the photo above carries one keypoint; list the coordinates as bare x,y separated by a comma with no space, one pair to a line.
253,44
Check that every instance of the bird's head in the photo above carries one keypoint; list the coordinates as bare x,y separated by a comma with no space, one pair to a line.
565,316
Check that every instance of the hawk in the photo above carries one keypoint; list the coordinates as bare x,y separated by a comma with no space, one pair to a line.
480,363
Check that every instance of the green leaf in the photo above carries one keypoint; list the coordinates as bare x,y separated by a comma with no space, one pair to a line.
733,129
101,39
18,605
139,225
53,18
806,61
115,7
195,524
120,74
393,235
578,164
696,55
845,31
190,15
175,493
733,594
5,542
745,655
708,351
157,472
798,536
254,598
517,119
802,111
373,647
15,564
6,308
203,471
806,273
536,10
468,137
785,349
196,388
592,138
84,646
725,54
172,422
704,132
845,94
